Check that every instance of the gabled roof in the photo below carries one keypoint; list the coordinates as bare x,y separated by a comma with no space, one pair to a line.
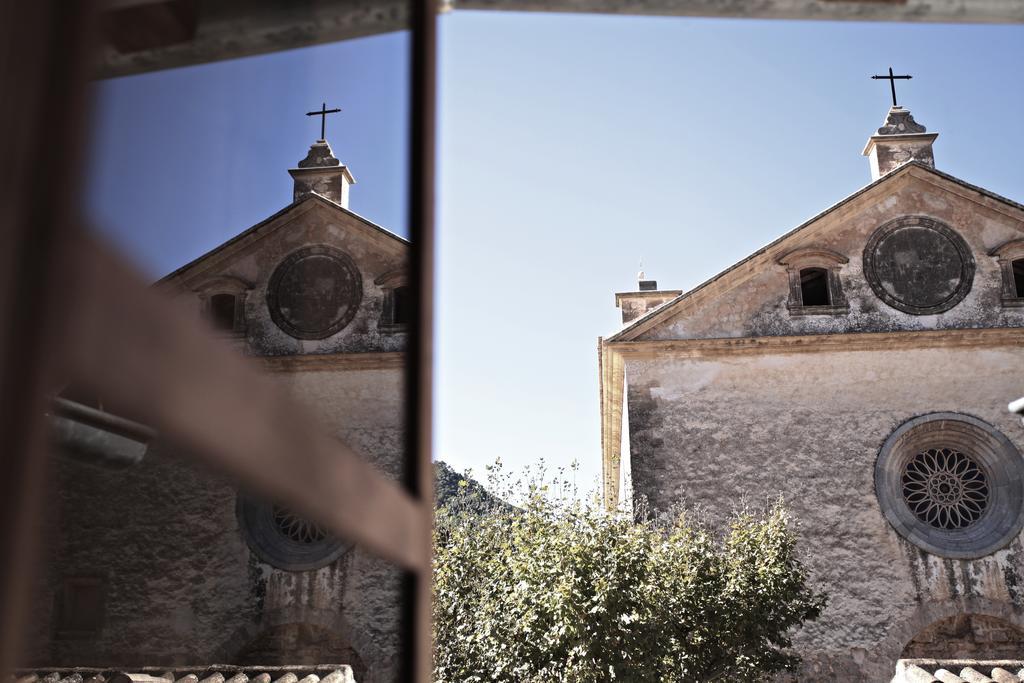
667,309
313,197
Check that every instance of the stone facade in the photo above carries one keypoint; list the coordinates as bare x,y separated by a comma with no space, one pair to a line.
159,555
737,395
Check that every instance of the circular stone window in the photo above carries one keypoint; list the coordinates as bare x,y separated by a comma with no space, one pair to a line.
315,292
287,540
952,485
918,265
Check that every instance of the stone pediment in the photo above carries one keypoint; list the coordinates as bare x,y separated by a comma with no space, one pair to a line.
306,280
911,251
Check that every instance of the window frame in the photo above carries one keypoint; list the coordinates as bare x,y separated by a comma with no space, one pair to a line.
1006,254
232,286
389,282
831,262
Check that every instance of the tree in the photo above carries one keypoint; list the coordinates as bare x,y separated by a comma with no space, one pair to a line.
564,591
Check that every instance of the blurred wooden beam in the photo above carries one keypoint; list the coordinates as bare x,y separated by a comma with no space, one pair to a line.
155,362
149,35
44,47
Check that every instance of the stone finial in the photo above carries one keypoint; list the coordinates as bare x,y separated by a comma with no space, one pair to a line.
321,173
901,139
900,121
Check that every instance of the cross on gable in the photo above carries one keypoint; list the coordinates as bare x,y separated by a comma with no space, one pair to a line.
324,111
892,82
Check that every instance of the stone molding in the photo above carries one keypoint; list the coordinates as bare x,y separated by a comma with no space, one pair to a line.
814,343
276,291
382,360
996,455
931,227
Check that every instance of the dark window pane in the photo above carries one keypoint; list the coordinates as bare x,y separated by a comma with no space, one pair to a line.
814,287
402,306
1018,277
222,311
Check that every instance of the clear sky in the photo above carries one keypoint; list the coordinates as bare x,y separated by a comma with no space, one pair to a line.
571,146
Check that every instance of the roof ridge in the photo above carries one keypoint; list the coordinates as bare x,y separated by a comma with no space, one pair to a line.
312,196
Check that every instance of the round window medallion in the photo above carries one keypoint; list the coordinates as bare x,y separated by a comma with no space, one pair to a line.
918,265
952,485
285,539
315,292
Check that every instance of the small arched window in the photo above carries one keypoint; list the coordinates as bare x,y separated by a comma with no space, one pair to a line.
222,303
814,284
222,312
401,305
814,287
396,309
1011,266
1017,270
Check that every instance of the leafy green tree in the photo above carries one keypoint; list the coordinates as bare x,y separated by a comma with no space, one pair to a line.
563,591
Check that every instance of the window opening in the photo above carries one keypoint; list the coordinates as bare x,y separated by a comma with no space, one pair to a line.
222,311
814,287
1017,268
401,312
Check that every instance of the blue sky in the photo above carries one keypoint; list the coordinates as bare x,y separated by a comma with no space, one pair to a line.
570,147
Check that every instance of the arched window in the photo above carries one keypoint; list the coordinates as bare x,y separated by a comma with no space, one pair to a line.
814,287
814,284
222,312
401,305
396,309
222,303
1017,270
1011,265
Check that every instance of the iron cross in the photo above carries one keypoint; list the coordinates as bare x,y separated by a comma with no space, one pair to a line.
892,83
324,111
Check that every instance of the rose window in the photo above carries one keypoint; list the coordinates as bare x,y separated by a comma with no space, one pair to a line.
297,528
945,489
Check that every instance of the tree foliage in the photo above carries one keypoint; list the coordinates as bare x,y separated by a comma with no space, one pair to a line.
563,591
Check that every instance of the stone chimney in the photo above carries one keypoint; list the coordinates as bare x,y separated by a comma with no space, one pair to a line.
900,139
646,298
322,173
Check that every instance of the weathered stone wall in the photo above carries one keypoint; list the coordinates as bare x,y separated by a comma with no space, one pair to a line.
741,429
182,585
967,636
257,254
752,301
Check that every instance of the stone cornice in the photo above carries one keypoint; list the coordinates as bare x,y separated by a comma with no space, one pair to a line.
334,361
816,343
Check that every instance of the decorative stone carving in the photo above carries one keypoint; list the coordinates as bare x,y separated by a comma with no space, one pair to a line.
285,539
315,292
319,155
918,265
900,122
952,485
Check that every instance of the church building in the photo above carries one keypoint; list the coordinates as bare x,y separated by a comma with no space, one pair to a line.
160,567
860,367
